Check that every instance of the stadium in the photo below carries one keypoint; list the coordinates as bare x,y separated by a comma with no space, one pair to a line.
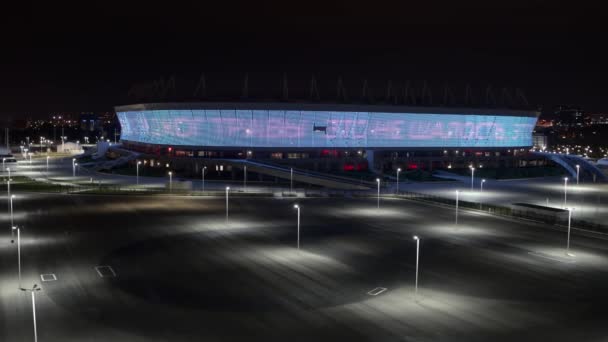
325,137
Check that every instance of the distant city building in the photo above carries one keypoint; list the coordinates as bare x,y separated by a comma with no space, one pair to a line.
569,116
539,141
596,119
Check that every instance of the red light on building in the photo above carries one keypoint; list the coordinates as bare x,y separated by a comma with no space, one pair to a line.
349,167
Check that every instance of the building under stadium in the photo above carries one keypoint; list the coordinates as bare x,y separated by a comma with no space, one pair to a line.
328,137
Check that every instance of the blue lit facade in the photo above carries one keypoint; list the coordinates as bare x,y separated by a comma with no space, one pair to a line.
318,126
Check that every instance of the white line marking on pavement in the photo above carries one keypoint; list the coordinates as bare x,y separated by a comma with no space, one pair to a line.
105,271
48,277
377,291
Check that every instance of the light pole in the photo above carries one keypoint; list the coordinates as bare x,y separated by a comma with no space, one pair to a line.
227,191
457,193
481,185
398,172
170,181
472,178
291,180
417,258
565,191
33,291
8,190
245,178
9,173
3,161
569,226
11,199
47,165
298,207
18,252
203,176
578,169
74,167
137,172
378,181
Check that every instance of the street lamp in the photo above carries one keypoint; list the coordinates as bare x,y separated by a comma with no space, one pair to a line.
298,207
47,165
417,258
565,191
291,180
73,167
578,169
245,179
11,199
378,181
569,226
203,176
137,172
457,193
398,172
33,291
18,252
170,181
472,177
227,191
3,160
9,173
481,185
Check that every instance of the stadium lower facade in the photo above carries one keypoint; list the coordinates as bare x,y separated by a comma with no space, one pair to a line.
328,136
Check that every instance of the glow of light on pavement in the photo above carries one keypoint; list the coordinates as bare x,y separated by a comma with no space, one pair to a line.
359,211
464,230
301,259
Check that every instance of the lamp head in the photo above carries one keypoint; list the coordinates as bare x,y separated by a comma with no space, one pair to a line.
483,180
227,188
378,180
296,206
12,196
416,237
399,170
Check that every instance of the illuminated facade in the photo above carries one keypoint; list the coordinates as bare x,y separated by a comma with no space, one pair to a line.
318,126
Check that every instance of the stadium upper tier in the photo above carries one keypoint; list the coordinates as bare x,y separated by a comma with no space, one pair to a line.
293,125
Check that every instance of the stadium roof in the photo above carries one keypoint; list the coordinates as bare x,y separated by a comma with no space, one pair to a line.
324,107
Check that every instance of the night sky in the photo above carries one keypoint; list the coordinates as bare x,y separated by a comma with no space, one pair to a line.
85,55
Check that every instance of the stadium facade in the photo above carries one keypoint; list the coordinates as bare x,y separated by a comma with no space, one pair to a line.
309,135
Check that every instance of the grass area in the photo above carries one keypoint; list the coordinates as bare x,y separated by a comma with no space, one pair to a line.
365,176
421,176
22,183
143,171
85,159
513,173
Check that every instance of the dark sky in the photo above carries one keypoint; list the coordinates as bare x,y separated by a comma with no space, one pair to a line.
85,55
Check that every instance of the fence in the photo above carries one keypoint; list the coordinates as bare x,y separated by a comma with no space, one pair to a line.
502,210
